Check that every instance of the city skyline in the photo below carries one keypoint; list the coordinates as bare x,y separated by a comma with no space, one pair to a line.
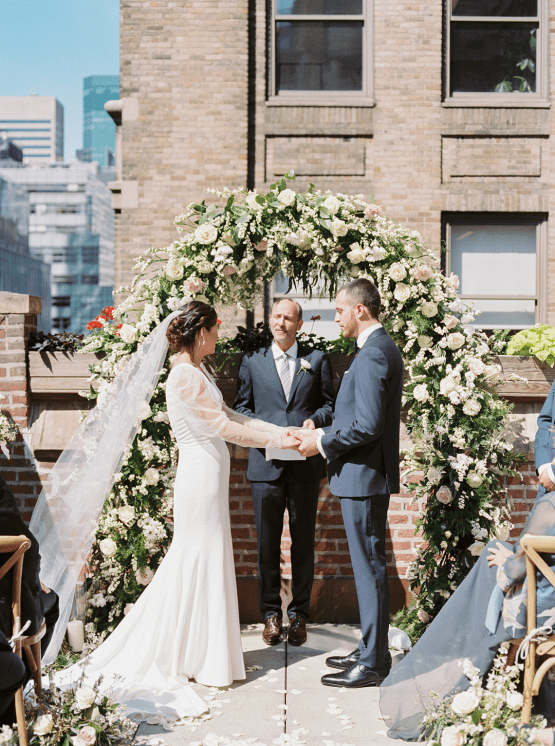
68,41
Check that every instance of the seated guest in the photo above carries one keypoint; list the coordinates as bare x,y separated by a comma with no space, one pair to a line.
37,603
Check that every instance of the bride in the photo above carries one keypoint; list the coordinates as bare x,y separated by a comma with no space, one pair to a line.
185,625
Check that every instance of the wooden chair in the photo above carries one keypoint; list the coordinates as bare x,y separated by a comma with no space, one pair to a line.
534,546
17,546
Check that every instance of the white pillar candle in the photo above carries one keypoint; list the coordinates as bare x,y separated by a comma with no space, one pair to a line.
76,635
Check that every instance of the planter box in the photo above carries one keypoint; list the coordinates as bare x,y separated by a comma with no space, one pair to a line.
60,372
539,378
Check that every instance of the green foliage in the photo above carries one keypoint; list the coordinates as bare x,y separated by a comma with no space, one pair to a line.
407,620
539,341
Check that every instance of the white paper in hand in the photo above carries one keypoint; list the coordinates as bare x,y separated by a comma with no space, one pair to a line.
283,454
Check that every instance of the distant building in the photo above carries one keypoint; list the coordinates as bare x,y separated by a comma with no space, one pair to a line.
19,271
9,152
71,227
36,125
99,131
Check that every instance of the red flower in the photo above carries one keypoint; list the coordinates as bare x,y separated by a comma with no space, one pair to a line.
94,324
107,314
218,322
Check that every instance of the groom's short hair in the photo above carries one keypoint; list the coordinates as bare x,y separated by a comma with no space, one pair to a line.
363,291
294,302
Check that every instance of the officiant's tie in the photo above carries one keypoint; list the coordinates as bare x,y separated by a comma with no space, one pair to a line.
285,376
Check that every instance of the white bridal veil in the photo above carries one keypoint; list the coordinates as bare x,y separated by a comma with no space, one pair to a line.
67,511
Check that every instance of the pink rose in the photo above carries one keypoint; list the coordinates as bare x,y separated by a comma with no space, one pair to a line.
262,246
422,273
228,270
444,495
193,285
372,211
450,321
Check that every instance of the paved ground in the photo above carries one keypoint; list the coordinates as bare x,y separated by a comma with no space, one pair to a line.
282,701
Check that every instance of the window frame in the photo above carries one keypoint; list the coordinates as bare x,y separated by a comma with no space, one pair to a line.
364,97
539,99
506,219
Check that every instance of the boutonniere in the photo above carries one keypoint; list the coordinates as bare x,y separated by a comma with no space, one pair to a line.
305,366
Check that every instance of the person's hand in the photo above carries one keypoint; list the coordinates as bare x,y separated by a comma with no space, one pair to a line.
309,424
546,482
290,441
308,446
497,556
44,588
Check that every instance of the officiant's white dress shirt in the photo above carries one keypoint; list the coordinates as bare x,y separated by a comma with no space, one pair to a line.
278,354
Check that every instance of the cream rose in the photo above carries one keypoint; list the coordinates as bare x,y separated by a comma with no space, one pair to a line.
355,272
448,384
339,227
332,204
424,342
152,476
397,272
444,495
144,411
287,197
475,365
465,702
108,547
477,548
245,265
372,211
229,270
193,285
434,475
450,321
420,392
174,270
126,514
473,479
401,292
514,700
128,333
228,237
44,725
252,203
84,696
452,736
471,407
87,734
495,737
144,576
206,234
356,254
423,616
455,340
429,309
422,273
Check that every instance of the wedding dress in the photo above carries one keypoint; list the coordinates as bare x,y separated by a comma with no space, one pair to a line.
185,625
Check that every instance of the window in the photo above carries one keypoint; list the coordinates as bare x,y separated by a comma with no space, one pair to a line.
320,52
90,280
60,323
63,279
61,301
64,255
496,52
501,263
90,254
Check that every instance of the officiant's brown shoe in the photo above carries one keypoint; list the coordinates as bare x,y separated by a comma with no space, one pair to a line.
272,630
297,630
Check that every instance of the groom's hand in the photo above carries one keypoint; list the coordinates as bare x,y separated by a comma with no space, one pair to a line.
288,440
308,446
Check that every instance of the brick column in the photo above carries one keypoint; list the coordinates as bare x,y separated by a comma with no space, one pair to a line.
18,318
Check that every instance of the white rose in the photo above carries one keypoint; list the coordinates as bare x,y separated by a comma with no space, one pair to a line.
515,700
444,495
477,548
245,265
206,234
84,697
495,737
429,309
173,303
475,365
193,285
471,407
503,531
305,365
453,281
372,211
332,204
464,703
355,272
108,547
450,321
424,341
144,411
401,292
455,340
143,577
397,272
128,333
339,227
473,479
448,384
174,270
228,237
44,725
126,514
152,476
452,736
161,417
423,616
422,273
87,734
252,203
356,254
420,392
434,475
287,197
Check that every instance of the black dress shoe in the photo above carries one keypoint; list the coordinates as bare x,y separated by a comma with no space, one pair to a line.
345,661
356,677
297,630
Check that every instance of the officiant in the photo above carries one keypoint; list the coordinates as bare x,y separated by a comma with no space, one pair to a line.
289,385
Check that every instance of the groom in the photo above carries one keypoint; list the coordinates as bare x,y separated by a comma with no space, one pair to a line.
362,449
289,385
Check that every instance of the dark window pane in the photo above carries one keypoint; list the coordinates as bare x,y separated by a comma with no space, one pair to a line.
488,57
517,8
319,56
319,7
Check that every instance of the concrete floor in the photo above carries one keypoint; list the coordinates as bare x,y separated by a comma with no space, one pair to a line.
282,701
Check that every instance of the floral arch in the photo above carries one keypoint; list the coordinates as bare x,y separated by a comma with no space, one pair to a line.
225,252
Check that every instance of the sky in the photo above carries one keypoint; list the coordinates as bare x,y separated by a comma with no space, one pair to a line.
49,46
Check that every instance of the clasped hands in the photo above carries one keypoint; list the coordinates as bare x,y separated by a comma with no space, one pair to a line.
303,440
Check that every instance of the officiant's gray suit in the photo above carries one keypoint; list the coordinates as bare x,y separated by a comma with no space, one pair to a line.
278,484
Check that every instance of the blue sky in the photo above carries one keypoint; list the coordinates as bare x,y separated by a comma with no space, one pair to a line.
49,46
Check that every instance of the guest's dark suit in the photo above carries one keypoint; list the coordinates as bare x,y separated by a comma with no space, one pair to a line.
544,446
276,484
362,448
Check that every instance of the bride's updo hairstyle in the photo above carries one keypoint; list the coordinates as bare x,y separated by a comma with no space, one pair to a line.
183,330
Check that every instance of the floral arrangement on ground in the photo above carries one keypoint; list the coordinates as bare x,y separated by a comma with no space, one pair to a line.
8,432
225,252
479,716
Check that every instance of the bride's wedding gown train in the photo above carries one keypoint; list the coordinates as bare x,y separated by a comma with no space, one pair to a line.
185,625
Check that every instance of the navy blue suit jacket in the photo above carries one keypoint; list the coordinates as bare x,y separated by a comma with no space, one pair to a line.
544,447
362,446
260,394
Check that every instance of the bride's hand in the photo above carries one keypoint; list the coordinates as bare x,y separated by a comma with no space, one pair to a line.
290,441
498,556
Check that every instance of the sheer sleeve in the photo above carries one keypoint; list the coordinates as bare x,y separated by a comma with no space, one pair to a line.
209,417
260,425
541,522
